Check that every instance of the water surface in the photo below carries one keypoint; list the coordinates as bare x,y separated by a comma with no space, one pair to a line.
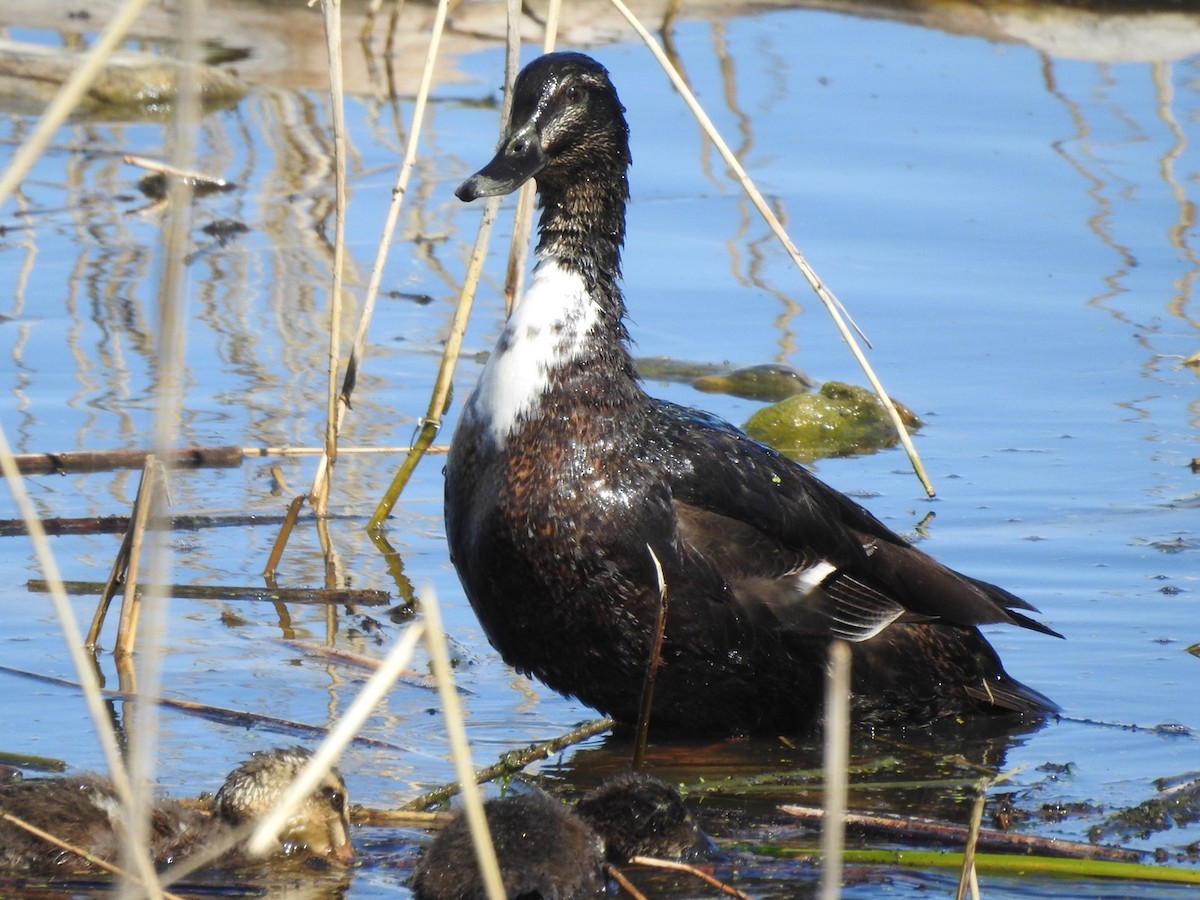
1014,230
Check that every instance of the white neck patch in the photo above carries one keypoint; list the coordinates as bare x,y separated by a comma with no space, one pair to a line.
549,327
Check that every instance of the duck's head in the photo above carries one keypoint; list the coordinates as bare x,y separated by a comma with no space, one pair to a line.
567,126
320,827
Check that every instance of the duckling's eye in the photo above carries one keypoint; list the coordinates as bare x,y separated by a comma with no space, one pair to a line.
336,800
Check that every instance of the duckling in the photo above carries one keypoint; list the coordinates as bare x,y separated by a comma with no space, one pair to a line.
567,487
544,851
319,828
636,814
85,811
549,850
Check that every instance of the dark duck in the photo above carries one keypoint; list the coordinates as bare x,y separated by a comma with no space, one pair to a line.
566,483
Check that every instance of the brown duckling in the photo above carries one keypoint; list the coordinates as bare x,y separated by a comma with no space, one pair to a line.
320,827
548,850
544,851
85,811
639,815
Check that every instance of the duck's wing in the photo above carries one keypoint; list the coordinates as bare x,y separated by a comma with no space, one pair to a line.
821,563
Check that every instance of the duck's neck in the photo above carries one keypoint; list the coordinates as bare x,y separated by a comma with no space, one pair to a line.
565,349
583,227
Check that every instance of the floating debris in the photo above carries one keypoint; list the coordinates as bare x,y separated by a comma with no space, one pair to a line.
769,382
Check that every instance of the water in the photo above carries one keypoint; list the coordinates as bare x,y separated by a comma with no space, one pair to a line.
1014,230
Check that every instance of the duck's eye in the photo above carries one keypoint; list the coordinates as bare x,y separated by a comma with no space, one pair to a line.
574,93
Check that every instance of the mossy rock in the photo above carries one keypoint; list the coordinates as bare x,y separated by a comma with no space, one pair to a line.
836,420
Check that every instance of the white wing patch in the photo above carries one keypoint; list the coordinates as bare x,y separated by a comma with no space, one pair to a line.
550,326
851,610
810,578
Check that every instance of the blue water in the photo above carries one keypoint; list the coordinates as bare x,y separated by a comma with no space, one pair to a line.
1013,231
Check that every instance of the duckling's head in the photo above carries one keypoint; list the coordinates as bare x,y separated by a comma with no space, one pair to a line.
567,126
639,815
320,827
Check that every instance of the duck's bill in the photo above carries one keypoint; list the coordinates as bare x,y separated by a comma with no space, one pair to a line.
517,161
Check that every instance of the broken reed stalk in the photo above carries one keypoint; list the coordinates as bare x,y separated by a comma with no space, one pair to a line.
671,865
913,829
281,539
623,882
652,664
456,733
351,596
69,95
342,733
514,761
332,17
832,305
104,460
135,540
118,569
836,762
230,717
440,398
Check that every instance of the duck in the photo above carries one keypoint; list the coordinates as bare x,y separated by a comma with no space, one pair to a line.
85,811
546,849
577,506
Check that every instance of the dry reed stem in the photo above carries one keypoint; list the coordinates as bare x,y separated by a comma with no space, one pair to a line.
832,304
623,882
332,16
642,734
342,403
231,717
281,539
119,567
151,617
466,298
671,865
77,851
836,761
969,878
518,252
84,671
263,452
342,733
68,96
439,658
136,535
445,376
